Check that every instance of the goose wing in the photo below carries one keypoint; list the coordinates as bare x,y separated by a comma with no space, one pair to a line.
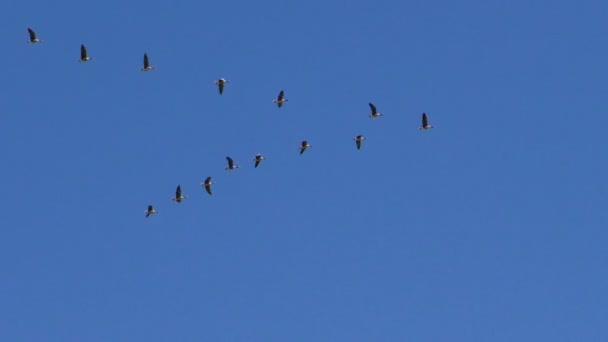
230,162
425,120
178,192
83,51
146,61
220,86
208,185
281,96
373,108
32,34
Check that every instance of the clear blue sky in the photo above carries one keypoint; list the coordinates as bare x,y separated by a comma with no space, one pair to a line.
492,226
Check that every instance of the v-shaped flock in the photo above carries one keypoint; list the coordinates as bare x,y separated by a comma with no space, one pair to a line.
280,100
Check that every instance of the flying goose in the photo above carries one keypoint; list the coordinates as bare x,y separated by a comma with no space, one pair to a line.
147,66
231,165
83,54
258,159
358,139
150,210
178,195
280,99
374,113
33,38
425,123
207,184
220,84
303,146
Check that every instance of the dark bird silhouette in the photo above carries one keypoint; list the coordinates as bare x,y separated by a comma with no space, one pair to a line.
33,39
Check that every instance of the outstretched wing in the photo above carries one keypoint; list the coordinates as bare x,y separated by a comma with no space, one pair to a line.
425,121
220,86
32,34
178,192
257,162
373,108
208,185
281,96
83,51
358,142
146,61
230,162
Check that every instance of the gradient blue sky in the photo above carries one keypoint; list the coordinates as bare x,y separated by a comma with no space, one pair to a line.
489,227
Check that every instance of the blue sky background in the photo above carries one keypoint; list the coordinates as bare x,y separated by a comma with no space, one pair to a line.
489,227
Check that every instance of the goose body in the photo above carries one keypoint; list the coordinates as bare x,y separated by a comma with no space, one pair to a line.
84,57
33,39
150,211
258,159
207,184
280,99
374,113
178,195
147,66
220,84
358,139
425,123
303,146
231,164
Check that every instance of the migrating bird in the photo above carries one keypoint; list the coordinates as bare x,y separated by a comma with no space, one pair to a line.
33,38
425,123
374,113
147,66
83,54
220,84
358,139
280,99
150,210
178,195
207,184
231,165
304,146
258,159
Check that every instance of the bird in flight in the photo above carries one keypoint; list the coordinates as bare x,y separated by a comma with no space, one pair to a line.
147,66
280,99
84,57
150,210
33,39
220,84
303,146
231,165
207,184
425,123
374,113
178,195
358,139
258,159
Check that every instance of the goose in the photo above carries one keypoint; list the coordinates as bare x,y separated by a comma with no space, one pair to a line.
358,139
33,38
303,146
280,99
220,84
374,113
425,123
258,159
207,184
147,66
231,165
150,210
83,54
178,195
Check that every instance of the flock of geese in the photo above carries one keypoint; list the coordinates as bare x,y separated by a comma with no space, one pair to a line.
279,101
